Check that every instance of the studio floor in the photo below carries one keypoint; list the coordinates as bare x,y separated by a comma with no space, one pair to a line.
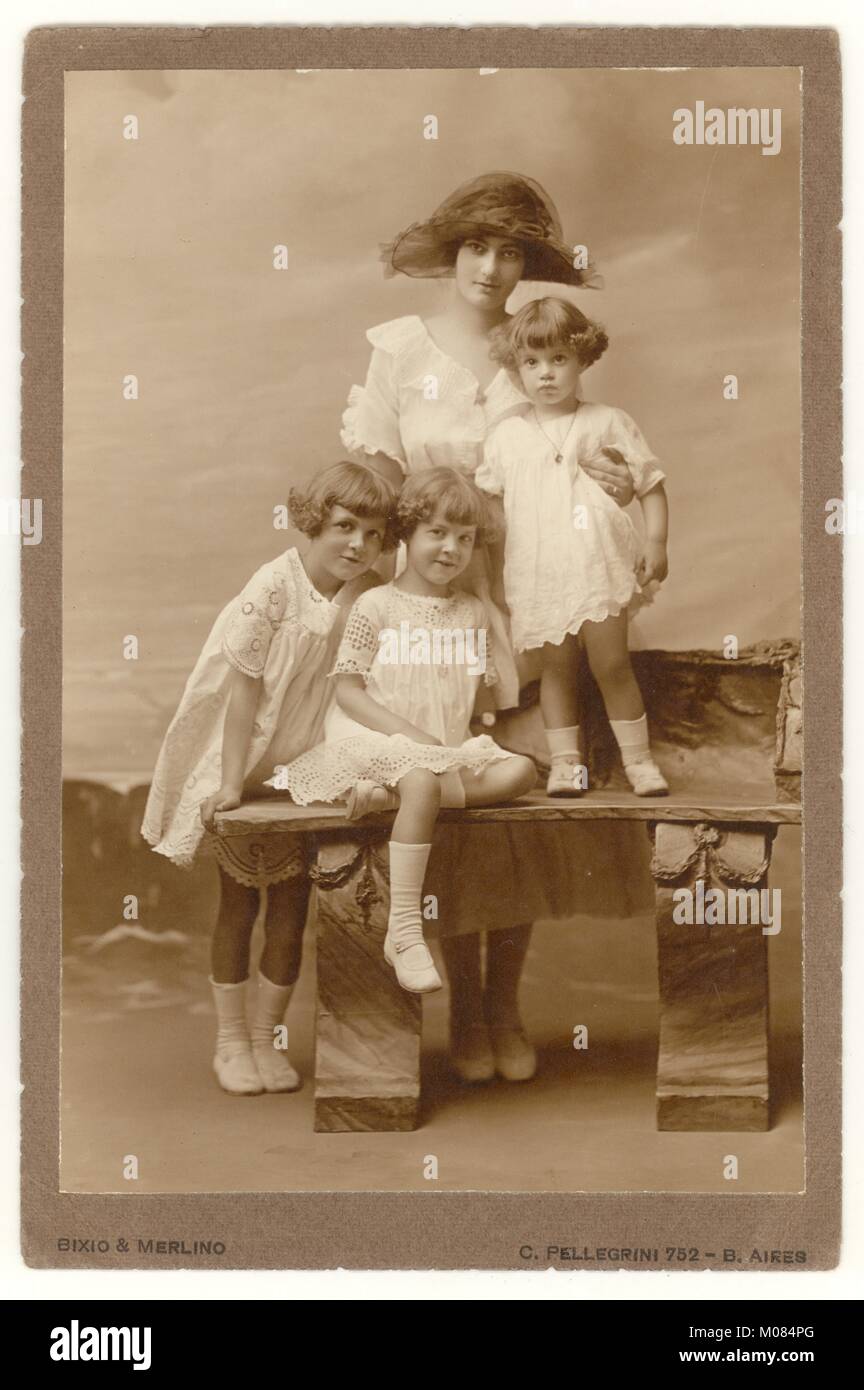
136,1080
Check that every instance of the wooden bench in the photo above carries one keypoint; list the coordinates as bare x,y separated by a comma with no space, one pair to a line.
712,1070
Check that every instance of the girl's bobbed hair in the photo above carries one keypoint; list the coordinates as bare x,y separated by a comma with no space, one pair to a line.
354,486
447,489
547,323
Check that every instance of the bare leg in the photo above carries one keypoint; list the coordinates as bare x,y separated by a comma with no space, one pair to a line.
419,803
559,683
609,659
501,781
229,951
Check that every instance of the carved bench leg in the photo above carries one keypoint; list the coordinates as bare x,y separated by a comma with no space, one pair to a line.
712,1068
367,1054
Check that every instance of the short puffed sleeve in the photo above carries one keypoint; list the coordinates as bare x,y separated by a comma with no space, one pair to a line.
490,474
370,424
626,436
359,645
256,616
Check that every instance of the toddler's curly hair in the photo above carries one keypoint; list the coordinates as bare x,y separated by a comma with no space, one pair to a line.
547,323
463,503
355,487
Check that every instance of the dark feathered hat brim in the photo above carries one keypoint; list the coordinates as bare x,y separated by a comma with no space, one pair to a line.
498,204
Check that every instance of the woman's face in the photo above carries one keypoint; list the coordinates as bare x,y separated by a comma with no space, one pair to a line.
488,269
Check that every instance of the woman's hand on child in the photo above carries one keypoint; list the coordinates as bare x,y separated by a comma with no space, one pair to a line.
654,563
613,475
226,799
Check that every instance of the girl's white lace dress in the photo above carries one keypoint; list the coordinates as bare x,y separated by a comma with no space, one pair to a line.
281,629
420,658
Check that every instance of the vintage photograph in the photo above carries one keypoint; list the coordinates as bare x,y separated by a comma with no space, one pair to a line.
432,710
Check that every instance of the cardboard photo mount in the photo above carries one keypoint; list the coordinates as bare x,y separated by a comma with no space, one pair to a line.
424,1230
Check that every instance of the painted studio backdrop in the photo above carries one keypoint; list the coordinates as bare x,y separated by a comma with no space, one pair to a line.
243,368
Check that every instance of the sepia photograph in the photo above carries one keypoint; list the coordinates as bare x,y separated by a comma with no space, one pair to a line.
432,717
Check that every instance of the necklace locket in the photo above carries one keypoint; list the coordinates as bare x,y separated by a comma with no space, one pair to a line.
557,447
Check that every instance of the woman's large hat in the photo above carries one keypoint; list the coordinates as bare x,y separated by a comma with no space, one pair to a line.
497,204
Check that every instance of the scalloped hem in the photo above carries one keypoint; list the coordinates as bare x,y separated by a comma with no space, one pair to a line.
637,600
385,764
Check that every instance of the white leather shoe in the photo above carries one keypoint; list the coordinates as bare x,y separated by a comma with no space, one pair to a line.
566,778
646,779
414,966
276,1072
237,1073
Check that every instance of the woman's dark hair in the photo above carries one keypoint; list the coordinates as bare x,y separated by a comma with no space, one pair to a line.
354,486
547,323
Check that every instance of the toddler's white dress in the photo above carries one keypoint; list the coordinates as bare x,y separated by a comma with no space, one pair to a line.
420,658
570,552
281,630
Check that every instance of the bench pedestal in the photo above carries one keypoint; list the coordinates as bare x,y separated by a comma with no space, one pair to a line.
712,1069
367,1055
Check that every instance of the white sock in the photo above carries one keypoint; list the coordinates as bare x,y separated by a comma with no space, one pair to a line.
407,872
232,1034
270,1005
632,737
564,743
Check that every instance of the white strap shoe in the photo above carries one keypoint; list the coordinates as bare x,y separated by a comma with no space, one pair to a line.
414,966
646,779
566,778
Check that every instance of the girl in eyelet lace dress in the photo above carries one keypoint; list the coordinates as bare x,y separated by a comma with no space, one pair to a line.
258,694
407,675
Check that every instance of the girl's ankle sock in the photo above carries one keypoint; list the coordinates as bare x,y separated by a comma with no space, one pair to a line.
564,743
632,738
407,872
232,1032
270,1005
274,1068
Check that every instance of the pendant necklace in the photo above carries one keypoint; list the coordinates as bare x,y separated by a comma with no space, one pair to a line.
558,448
